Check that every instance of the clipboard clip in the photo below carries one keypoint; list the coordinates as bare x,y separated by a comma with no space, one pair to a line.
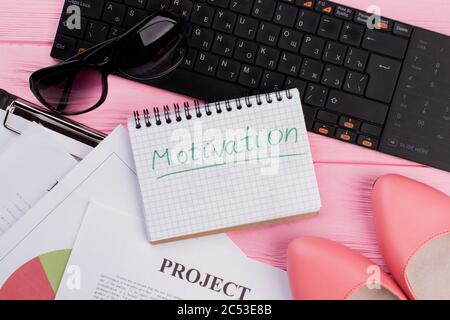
59,124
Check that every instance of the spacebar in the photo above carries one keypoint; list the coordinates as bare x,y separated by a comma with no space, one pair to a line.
199,86
357,107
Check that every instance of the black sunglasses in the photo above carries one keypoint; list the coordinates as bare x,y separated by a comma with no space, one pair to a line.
150,50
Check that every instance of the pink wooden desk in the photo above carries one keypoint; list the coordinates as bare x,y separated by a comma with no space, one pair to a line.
345,172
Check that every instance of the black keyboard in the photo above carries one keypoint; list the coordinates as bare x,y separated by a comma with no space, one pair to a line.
385,89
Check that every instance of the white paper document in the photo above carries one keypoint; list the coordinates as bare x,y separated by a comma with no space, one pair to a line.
29,167
105,175
112,259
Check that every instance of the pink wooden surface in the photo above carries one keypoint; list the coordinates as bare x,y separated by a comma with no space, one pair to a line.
345,172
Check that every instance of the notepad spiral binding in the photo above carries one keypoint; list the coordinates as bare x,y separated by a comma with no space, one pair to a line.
146,118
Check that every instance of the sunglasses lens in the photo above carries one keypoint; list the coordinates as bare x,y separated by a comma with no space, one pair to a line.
156,49
71,91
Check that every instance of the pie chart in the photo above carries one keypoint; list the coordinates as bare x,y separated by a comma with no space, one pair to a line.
38,279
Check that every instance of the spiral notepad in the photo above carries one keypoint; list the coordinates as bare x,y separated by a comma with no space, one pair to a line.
219,166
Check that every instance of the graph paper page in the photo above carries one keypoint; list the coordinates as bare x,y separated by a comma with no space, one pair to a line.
241,166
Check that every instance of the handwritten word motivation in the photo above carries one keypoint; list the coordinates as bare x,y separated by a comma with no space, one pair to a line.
245,146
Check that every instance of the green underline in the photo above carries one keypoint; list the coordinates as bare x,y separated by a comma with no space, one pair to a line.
225,163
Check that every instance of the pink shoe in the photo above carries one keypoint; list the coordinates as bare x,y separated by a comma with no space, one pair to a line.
321,269
412,221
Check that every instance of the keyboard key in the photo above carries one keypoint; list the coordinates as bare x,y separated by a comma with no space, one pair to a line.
305,3
367,142
219,3
116,31
78,33
90,8
344,12
202,38
134,16
250,76
202,14
356,59
114,13
285,14
308,21
246,27
329,28
357,107
189,59
224,44
224,21
333,76
352,34
316,95
355,82
158,5
264,9
182,7
324,7
96,31
241,6
385,43
268,33
245,51
363,18
402,29
349,123
136,3
334,53
371,129
63,47
312,46
206,63
383,77
271,81
385,24
295,83
290,40
267,57
83,46
324,129
345,135
327,117
289,64
311,70
228,70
